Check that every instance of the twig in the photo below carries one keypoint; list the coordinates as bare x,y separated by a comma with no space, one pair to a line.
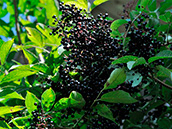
159,81
16,21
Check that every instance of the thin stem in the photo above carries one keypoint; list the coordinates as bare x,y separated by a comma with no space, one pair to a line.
159,81
125,35
16,21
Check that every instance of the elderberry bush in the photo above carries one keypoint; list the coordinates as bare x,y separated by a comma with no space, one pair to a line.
85,72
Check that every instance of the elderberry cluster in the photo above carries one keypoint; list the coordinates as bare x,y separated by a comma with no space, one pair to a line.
142,41
40,120
91,46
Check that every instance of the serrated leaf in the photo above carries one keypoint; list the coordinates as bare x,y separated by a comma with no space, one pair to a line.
76,100
125,59
16,74
35,36
29,102
104,111
117,23
48,99
118,96
30,56
6,109
161,55
117,77
4,50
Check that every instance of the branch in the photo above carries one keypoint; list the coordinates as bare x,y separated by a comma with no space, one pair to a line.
16,21
159,81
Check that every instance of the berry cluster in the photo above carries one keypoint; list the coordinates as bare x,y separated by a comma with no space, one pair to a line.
89,40
142,41
39,120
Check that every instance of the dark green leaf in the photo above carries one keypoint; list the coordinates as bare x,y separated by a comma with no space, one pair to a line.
118,96
6,109
164,72
117,23
161,55
5,49
166,17
125,59
16,74
4,125
76,99
104,111
117,77
152,5
29,102
164,5
48,99
165,123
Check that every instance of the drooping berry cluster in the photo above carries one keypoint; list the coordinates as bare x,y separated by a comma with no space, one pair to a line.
89,40
39,120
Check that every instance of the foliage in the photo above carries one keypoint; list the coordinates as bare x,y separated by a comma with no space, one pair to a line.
76,70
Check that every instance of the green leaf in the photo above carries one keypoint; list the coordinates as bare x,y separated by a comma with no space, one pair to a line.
118,96
51,9
117,23
40,67
48,99
6,109
76,100
29,102
135,77
166,17
133,14
125,59
5,49
117,77
13,95
20,122
104,111
16,74
164,5
152,5
144,3
96,3
161,55
30,56
164,123
45,31
4,125
139,61
64,103
164,72
35,36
